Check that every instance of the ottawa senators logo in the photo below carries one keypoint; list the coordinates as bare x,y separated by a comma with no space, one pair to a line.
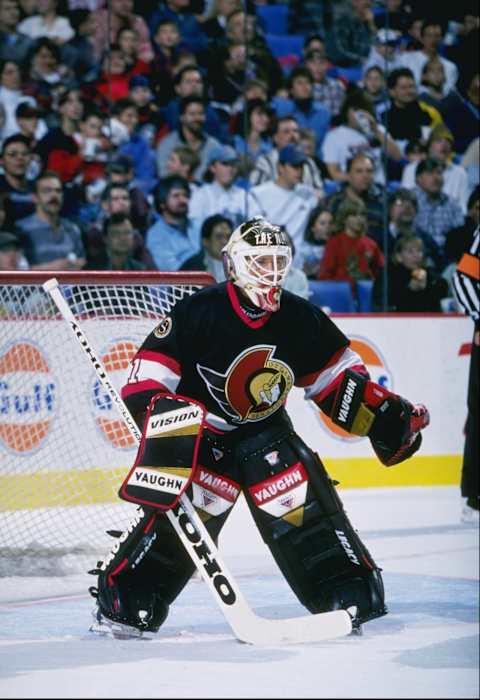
254,386
163,328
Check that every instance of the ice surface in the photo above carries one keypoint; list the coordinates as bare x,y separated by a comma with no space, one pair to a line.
426,647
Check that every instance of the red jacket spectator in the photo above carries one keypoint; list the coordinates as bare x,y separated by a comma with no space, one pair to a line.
351,254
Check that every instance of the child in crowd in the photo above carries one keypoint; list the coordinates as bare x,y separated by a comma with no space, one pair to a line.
412,286
93,145
127,39
166,41
317,232
351,254
112,83
151,123
183,161
375,87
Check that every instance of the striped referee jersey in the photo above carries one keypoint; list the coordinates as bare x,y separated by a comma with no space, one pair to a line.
466,279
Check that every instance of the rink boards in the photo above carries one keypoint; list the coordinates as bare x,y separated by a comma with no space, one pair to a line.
425,358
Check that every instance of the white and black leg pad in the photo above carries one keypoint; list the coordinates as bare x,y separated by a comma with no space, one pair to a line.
127,591
145,571
149,566
301,519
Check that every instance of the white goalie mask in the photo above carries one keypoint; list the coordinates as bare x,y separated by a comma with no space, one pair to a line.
257,258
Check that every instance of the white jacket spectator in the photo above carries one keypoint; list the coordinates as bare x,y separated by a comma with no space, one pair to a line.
358,132
343,142
432,38
221,196
286,201
287,131
455,182
47,24
455,177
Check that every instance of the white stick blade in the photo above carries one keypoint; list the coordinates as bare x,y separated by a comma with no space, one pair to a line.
298,630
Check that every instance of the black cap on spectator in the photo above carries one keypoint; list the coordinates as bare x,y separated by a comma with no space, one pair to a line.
138,81
120,163
78,17
428,165
26,110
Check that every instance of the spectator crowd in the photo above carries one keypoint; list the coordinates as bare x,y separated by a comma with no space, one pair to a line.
138,135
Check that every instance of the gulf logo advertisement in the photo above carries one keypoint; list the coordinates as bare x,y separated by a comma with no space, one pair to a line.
28,397
116,359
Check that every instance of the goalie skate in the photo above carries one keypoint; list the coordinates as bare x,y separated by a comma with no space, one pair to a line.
104,627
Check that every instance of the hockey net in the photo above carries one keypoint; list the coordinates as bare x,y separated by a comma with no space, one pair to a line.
64,450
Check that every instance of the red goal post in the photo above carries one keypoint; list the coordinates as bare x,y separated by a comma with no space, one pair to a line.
63,447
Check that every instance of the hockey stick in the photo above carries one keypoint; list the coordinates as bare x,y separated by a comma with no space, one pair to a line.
245,624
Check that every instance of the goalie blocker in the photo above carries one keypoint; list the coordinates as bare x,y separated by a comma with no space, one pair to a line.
392,423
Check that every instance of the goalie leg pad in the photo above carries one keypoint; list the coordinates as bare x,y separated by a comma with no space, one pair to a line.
149,566
126,592
145,572
301,519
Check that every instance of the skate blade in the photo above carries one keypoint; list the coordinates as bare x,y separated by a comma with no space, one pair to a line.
103,627
357,630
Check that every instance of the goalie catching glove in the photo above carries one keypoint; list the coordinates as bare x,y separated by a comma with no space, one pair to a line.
393,424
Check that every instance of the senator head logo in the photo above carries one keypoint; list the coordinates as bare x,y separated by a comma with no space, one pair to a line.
116,360
379,373
28,398
255,385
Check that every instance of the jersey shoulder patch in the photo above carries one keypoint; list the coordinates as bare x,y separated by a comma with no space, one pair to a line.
164,328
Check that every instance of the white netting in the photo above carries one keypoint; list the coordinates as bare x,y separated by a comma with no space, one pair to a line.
64,450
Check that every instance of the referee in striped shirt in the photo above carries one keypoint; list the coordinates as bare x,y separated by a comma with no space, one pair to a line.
466,288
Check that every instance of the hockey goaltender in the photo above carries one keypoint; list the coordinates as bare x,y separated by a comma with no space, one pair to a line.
235,349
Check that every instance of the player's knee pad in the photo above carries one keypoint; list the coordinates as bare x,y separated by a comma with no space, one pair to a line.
301,518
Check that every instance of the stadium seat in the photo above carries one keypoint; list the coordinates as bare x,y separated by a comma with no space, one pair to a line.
334,294
364,296
331,186
353,74
393,185
283,45
273,19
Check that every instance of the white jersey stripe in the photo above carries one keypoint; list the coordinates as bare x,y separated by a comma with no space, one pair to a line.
347,359
156,371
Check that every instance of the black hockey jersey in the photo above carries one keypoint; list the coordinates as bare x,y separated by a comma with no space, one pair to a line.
241,368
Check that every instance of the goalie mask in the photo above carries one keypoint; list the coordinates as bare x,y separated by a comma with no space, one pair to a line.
257,259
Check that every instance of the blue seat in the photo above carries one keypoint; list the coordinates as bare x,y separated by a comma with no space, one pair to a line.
353,74
331,186
393,185
273,19
364,296
335,294
283,45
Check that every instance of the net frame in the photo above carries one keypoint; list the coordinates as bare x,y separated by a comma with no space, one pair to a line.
59,493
